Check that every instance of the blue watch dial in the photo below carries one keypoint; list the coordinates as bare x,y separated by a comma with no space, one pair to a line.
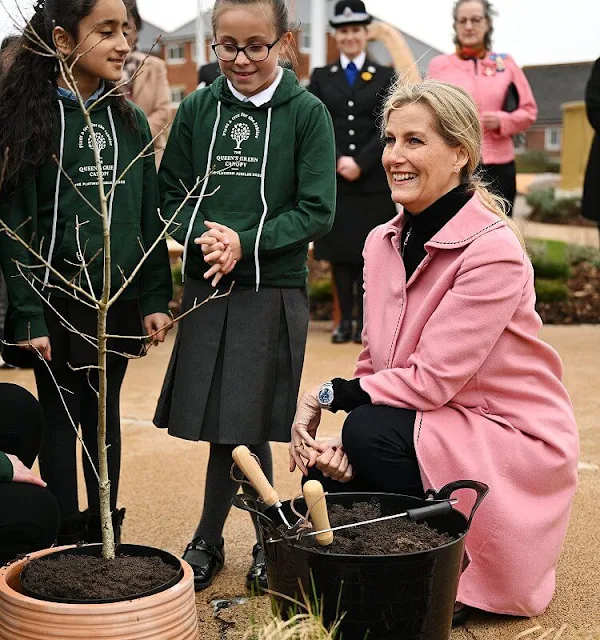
325,395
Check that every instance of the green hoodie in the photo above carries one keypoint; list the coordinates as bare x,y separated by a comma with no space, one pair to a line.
6,468
46,207
271,165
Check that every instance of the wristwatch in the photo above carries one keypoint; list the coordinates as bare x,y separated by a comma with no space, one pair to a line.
325,395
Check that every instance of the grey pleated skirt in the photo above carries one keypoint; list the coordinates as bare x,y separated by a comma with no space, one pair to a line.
236,365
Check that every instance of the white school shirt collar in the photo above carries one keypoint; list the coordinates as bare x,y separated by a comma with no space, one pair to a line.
260,98
359,61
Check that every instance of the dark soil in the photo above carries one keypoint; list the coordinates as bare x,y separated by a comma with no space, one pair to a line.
382,538
76,577
583,304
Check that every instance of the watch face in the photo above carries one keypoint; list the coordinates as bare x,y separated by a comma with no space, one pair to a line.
326,395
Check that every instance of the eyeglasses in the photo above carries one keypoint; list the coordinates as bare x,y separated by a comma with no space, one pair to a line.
254,52
476,21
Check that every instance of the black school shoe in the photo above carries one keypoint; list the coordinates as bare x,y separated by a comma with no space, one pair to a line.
205,570
72,530
93,533
342,334
460,616
256,578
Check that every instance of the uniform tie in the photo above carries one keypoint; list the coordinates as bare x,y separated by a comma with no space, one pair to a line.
351,73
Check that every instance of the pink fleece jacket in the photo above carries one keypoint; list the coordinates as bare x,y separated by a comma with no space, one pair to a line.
459,344
488,86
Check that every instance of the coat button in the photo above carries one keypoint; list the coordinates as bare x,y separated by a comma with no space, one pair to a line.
351,132
352,147
350,117
350,103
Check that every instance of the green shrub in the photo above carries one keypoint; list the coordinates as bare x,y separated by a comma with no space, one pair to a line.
536,162
176,274
577,253
551,269
321,290
551,290
547,208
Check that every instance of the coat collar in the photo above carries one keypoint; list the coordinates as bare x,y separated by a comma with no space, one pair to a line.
338,77
472,221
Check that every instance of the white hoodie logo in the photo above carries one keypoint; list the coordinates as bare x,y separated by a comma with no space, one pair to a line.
240,132
103,138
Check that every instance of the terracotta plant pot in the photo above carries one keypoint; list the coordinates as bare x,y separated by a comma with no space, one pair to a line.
168,615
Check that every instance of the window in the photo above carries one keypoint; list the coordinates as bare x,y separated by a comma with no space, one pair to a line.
553,138
304,38
175,53
177,95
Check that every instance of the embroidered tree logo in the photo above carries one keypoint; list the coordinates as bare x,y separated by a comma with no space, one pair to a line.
240,132
100,141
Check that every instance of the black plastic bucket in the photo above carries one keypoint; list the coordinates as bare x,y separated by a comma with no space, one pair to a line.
406,596
95,550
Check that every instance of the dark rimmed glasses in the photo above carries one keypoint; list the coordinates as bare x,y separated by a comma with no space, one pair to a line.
255,52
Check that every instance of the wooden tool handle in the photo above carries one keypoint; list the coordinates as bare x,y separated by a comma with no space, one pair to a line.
251,469
317,505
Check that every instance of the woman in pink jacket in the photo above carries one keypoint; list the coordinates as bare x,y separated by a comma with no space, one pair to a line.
499,87
453,382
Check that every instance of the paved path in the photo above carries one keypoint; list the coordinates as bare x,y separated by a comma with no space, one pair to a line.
162,486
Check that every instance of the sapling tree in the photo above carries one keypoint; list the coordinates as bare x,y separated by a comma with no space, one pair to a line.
80,287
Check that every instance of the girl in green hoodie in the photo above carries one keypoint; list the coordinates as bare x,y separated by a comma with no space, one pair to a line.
40,120
265,147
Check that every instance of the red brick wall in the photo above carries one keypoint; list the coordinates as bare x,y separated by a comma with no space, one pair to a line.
536,141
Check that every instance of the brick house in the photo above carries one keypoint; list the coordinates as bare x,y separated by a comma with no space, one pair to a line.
553,85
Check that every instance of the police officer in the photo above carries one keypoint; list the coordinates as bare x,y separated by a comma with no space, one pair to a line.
353,88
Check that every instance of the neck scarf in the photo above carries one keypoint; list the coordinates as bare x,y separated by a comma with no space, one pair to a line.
471,53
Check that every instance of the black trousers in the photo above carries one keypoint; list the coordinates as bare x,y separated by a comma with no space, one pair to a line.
58,463
29,517
379,444
502,179
348,279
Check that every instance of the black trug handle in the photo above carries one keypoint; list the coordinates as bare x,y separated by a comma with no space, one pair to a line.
446,491
422,513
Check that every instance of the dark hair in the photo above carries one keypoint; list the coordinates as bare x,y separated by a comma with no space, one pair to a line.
280,13
28,90
132,10
9,41
488,11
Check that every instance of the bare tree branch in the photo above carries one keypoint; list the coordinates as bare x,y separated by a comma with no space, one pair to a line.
215,296
77,189
62,399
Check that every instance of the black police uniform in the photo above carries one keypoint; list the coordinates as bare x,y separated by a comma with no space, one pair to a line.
356,112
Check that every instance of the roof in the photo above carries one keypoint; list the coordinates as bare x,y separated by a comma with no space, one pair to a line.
148,36
186,31
555,84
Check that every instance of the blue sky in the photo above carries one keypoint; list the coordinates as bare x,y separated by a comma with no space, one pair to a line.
532,31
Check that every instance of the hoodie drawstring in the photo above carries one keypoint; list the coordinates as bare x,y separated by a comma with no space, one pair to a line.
56,190
261,224
202,191
115,163
58,176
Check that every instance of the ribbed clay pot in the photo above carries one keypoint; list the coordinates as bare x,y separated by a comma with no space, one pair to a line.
168,615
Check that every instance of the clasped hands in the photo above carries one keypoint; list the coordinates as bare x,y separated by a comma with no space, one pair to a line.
306,452
221,248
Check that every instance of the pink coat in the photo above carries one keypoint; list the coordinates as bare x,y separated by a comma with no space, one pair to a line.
458,343
488,87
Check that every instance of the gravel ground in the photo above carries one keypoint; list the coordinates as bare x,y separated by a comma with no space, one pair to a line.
162,485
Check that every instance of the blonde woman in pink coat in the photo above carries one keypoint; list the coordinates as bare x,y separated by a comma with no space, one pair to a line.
499,87
453,381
